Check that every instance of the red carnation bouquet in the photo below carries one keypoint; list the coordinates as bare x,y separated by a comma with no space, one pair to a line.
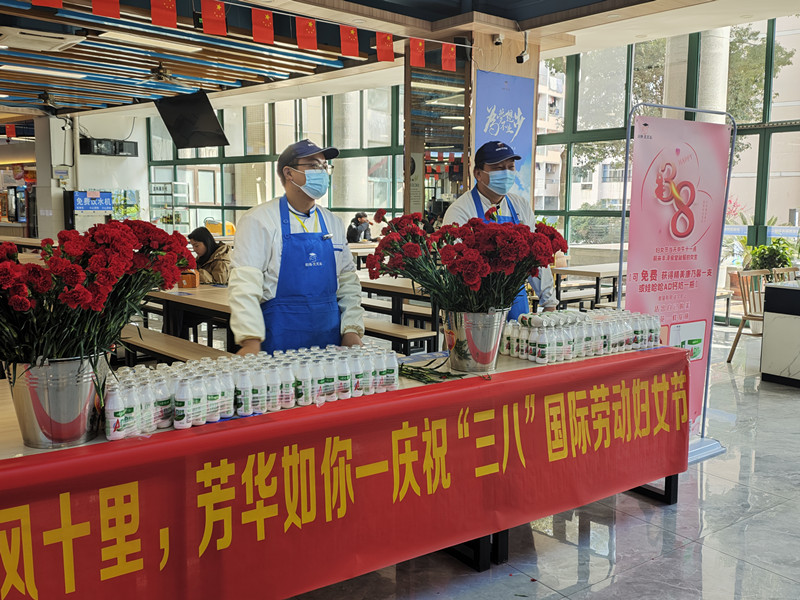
469,268
75,302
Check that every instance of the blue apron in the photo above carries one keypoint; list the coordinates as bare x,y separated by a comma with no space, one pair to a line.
304,311
520,304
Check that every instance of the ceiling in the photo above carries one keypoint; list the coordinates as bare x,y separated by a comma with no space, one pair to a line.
97,63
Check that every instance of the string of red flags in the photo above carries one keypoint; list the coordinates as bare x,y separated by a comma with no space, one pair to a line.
163,13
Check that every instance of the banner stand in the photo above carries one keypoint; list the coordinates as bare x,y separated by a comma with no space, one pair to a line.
700,448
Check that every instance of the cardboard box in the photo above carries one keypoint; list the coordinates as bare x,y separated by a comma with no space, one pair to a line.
189,279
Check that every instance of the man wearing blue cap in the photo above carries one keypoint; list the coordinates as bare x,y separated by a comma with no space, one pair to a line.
293,282
495,174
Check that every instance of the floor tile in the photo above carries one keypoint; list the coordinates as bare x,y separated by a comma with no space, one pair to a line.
693,572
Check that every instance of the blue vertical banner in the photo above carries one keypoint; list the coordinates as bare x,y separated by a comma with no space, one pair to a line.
504,106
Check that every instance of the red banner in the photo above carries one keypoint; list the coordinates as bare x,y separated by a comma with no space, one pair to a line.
295,500
349,39
11,131
106,8
263,26
449,57
306,33
163,13
385,46
48,3
213,13
417,52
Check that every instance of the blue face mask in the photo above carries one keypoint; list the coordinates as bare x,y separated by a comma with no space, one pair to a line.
316,185
501,182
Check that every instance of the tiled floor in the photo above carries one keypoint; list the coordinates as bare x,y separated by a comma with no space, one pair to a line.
734,534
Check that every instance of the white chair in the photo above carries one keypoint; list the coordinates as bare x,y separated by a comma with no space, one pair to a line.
784,273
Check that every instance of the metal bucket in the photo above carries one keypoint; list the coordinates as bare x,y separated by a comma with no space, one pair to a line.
473,339
55,402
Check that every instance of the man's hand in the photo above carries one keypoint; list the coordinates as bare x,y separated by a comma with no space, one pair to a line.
351,338
252,346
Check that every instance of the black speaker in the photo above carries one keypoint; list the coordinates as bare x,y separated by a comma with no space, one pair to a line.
463,52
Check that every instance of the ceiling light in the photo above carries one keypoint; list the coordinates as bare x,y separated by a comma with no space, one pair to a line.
436,86
746,16
451,118
641,36
3,47
613,16
359,21
139,40
35,71
3,95
459,128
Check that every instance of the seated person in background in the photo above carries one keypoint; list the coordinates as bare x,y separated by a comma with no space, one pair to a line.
213,257
358,231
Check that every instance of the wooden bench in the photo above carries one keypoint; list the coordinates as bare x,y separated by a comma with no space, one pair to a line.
401,336
163,347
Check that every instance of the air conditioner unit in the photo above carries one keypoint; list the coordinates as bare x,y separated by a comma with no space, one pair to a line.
37,41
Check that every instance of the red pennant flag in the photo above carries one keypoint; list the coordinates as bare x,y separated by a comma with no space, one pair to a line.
436,177
428,155
106,8
438,168
306,33
385,46
11,131
49,3
213,13
449,57
451,157
417,52
263,28
349,37
163,13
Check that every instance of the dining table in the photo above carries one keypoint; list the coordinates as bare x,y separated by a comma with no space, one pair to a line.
598,272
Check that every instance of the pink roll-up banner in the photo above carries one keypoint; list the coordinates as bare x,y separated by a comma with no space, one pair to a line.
677,209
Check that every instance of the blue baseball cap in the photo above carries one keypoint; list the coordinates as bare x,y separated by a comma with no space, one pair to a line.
492,153
301,149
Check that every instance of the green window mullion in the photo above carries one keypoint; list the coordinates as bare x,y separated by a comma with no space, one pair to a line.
692,75
361,111
329,121
571,94
769,67
757,233
628,84
271,138
244,131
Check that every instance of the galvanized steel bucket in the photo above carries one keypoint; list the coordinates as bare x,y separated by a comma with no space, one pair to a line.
473,339
55,401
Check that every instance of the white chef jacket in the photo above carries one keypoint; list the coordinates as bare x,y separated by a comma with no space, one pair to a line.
463,209
256,264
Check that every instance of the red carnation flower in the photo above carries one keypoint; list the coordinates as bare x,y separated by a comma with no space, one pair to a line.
412,250
75,297
19,303
396,262
8,274
8,251
73,275
491,214
38,278
379,215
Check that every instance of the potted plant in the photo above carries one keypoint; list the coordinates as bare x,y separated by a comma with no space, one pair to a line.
776,255
472,272
59,318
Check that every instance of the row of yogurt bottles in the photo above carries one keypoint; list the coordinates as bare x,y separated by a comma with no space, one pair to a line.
551,337
143,400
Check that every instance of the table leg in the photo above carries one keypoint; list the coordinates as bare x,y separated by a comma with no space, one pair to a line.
597,291
668,496
558,287
728,310
434,327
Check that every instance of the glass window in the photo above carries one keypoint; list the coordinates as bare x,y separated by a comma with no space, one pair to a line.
285,125
377,117
597,169
659,74
550,179
187,153
550,115
783,200
248,184
601,89
786,91
207,184
257,126
596,231
313,119
232,124
159,174
208,152
741,200
346,120
161,147
350,174
732,70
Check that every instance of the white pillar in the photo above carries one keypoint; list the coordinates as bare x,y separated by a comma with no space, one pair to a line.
714,55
